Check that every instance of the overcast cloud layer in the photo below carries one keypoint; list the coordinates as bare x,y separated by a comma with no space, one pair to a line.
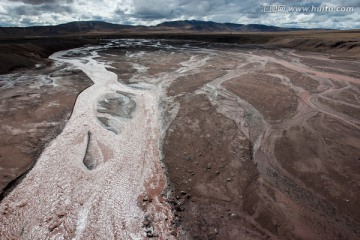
151,12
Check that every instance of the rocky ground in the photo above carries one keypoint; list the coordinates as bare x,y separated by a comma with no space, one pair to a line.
256,143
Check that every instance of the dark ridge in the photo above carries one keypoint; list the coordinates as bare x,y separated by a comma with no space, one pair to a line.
71,28
194,25
94,27
25,53
89,161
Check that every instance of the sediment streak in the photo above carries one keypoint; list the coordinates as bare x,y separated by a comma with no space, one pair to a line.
63,198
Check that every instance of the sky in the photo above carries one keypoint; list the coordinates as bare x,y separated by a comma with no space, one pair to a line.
283,13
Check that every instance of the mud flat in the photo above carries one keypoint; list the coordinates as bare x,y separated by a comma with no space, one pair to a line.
193,140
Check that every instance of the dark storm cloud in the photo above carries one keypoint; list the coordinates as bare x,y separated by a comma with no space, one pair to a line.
54,8
180,8
39,2
39,9
149,10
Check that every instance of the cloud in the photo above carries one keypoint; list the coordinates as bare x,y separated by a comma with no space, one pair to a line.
148,12
40,10
39,2
150,9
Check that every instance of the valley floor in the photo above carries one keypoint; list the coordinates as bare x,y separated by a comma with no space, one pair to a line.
193,140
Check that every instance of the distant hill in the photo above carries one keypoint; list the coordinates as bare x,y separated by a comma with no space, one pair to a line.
208,26
71,28
98,27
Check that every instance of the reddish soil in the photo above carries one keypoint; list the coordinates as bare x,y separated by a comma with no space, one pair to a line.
277,101
259,143
34,108
225,188
211,179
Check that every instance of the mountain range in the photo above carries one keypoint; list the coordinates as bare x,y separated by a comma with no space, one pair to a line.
194,25
98,27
